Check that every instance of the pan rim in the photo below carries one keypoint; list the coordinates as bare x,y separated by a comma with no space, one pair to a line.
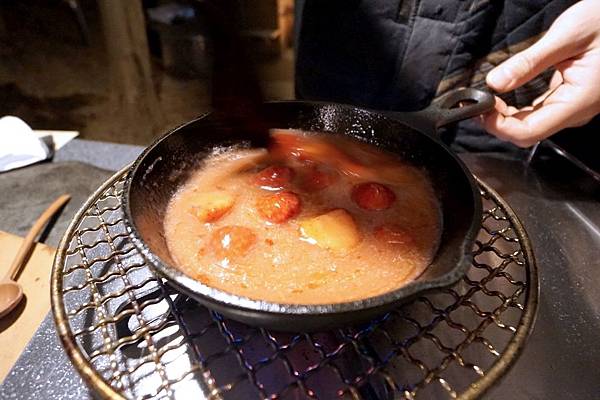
208,295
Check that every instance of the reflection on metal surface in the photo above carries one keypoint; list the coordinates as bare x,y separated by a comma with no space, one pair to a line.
584,220
131,336
564,153
532,153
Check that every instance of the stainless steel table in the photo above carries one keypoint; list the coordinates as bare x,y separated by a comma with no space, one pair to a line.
560,210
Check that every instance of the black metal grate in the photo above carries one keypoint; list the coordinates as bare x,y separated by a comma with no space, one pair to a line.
143,340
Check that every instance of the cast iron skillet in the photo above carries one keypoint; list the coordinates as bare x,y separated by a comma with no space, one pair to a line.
164,166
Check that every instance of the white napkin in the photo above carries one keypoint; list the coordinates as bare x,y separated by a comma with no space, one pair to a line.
19,145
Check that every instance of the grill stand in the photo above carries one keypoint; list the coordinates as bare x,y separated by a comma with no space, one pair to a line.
131,336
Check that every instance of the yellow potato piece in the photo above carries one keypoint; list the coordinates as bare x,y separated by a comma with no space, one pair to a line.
211,206
335,230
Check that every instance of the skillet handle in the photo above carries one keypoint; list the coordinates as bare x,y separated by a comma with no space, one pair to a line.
446,109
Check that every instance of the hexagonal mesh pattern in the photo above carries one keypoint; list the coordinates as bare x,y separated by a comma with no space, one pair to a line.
131,335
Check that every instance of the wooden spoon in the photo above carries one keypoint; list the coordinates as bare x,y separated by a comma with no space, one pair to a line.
11,292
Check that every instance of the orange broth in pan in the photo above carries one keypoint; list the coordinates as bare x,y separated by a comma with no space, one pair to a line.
317,219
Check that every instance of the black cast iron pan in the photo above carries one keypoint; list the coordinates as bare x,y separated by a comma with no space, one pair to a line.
165,165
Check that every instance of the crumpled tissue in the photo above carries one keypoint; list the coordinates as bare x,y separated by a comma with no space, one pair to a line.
19,145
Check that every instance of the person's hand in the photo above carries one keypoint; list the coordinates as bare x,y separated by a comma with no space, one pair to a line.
572,47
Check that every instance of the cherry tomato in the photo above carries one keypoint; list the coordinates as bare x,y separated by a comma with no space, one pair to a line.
278,207
394,234
317,179
232,241
274,177
373,196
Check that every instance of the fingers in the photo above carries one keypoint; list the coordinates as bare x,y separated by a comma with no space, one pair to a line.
526,65
572,46
504,108
555,82
560,43
525,128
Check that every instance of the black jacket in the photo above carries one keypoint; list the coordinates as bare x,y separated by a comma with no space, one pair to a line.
400,54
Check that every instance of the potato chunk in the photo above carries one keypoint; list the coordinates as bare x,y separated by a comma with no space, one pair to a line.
335,230
211,206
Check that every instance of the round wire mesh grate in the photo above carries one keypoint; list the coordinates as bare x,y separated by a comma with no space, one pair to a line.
131,336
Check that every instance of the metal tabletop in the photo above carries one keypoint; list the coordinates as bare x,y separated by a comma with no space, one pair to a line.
559,209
